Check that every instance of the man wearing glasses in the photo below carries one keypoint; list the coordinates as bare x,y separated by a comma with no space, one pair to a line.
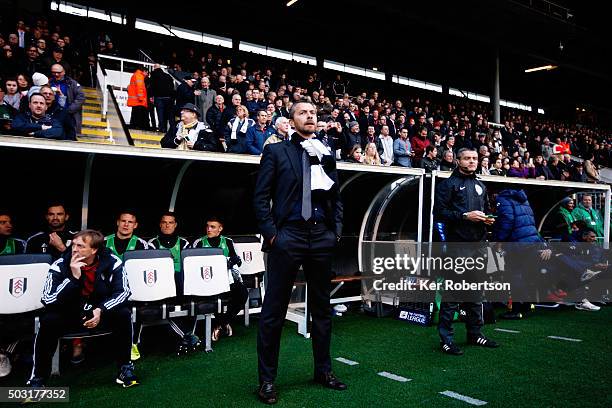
68,87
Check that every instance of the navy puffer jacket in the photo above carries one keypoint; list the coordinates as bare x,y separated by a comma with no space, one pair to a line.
515,221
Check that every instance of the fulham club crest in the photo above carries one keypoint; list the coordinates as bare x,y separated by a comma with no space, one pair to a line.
18,286
247,256
150,277
206,272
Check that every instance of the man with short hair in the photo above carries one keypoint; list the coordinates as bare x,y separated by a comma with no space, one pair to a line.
301,227
168,239
430,161
138,99
162,91
419,142
214,116
8,244
57,237
205,98
258,134
68,87
57,112
238,292
86,289
385,141
118,243
585,212
282,131
462,205
402,150
35,122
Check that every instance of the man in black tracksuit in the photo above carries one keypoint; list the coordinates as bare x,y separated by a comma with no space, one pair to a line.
86,290
56,238
462,206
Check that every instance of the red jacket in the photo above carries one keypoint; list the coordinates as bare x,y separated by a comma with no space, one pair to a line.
418,146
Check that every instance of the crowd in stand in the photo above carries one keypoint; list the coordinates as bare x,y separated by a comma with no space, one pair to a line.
226,107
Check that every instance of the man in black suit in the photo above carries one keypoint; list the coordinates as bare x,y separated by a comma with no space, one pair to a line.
301,228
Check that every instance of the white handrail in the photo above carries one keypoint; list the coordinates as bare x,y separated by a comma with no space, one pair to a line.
112,57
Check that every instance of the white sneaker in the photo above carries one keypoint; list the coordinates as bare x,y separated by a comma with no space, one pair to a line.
340,308
5,364
586,305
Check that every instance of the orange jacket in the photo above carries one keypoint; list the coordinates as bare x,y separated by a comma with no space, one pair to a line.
137,92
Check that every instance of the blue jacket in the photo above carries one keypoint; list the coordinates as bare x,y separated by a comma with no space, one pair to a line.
515,221
255,138
25,124
401,152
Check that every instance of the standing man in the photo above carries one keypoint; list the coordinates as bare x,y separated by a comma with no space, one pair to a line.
56,238
162,91
205,98
138,100
75,97
302,228
462,206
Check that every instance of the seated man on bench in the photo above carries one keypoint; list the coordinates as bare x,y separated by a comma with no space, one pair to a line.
86,291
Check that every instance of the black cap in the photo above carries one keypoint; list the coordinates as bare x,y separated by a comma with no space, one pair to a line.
188,78
191,107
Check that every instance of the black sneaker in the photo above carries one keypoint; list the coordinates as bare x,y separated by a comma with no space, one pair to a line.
35,383
126,376
482,341
451,348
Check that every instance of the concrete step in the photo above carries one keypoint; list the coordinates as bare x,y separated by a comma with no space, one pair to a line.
141,136
95,132
147,145
95,123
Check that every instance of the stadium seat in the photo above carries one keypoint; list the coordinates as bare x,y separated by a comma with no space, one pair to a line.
22,278
206,281
152,282
252,270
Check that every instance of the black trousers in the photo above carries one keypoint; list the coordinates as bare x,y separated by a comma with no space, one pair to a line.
238,296
139,118
56,322
310,246
473,319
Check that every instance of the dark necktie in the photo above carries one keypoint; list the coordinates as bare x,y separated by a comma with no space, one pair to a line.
306,192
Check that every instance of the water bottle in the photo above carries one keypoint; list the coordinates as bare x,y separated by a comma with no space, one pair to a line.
44,248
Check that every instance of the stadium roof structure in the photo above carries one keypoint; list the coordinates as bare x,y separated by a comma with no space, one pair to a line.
444,42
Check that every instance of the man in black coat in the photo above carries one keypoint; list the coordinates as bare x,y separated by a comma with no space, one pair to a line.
301,228
462,205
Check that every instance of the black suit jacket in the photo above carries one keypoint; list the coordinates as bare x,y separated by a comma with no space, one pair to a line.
280,180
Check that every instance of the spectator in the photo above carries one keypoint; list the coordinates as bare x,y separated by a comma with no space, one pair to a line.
230,111
483,166
9,245
11,97
162,91
74,297
238,292
184,95
214,116
59,113
282,131
590,216
498,169
385,146
189,133
205,98
590,169
75,97
355,155
518,170
419,142
236,129
578,174
542,172
36,122
402,151
430,161
257,135
352,136
56,57
371,156
448,162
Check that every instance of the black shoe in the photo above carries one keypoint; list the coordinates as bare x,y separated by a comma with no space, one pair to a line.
126,376
267,393
189,343
329,380
35,383
451,348
511,316
482,341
